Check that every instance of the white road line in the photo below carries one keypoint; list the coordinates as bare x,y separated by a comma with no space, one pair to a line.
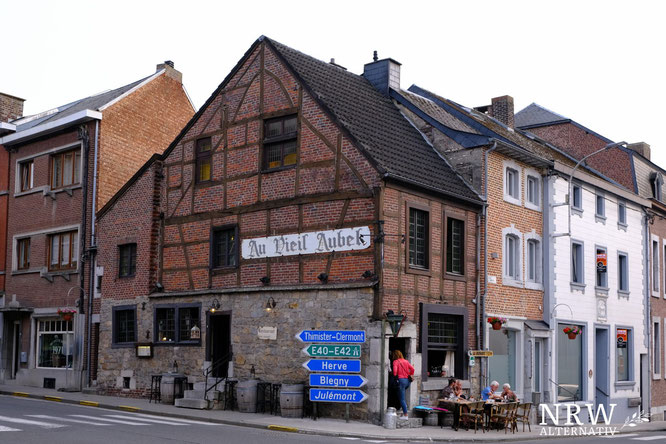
350,439
187,421
8,429
117,421
620,435
57,418
46,425
373,440
650,438
158,421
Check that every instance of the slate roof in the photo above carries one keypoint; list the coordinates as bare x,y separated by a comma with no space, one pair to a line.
536,115
93,103
376,124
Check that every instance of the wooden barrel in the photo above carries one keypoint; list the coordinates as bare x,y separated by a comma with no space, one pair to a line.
246,394
291,400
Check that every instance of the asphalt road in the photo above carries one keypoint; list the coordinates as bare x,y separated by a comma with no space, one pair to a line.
24,420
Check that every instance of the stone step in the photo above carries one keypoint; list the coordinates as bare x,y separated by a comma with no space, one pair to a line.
409,423
200,404
199,394
202,385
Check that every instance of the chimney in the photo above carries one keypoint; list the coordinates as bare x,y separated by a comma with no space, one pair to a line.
501,109
171,71
11,107
383,74
641,148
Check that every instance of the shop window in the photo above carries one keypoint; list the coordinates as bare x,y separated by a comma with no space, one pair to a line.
455,246
63,250
65,169
224,249
623,354
204,163
502,365
569,365
124,324
174,323
444,341
419,238
23,254
280,140
26,175
55,344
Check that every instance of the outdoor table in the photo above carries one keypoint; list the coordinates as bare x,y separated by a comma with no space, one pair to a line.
455,405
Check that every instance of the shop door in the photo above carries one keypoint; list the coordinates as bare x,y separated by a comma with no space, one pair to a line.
218,350
392,399
601,366
16,348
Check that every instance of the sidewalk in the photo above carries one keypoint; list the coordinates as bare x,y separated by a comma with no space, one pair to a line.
322,426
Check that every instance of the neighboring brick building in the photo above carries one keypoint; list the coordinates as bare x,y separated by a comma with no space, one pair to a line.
63,165
295,148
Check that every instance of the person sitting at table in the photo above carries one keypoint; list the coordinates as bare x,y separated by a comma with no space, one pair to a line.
489,392
508,394
458,390
449,390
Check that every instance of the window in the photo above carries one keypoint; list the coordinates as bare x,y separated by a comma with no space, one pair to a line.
455,246
569,366
622,213
174,324
418,238
656,347
512,183
443,341
512,257
538,363
224,248
577,258
577,197
127,260
623,272
532,190
204,162
280,138
65,169
533,260
656,181
655,266
623,352
502,365
63,250
23,254
26,175
55,343
601,268
600,208
124,324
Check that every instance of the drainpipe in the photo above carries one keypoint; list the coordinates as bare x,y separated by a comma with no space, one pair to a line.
93,252
382,372
485,249
648,289
85,142
478,281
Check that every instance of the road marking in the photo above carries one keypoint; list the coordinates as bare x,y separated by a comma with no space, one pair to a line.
53,398
649,438
158,421
21,394
280,428
118,421
46,425
129,408
374,440
57,418
188,421
350,439
8,429
89,403
620,435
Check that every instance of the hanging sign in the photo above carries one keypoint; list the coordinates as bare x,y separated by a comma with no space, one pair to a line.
621,338
345,239
601,262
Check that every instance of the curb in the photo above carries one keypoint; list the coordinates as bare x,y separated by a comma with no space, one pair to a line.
277,427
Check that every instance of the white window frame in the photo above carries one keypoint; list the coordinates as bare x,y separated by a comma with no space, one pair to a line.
655,269
620,223
596,286
599,197
514,281
536,177
537,283
654,346
623,292
517,188
575,186
65,334
581,283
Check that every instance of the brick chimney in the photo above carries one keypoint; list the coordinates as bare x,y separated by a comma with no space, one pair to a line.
641,148
171,71
383,74
11,107
501,108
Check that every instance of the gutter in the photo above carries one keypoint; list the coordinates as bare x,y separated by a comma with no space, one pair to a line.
50,127
485,248
6,128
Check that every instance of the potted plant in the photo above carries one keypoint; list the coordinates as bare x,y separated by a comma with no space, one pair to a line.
496,322
572,332
67,314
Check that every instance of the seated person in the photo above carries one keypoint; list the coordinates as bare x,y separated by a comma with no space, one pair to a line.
458,390
449,390
489,392
508,394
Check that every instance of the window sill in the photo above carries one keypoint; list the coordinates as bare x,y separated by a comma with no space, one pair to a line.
512,200
128,276
30,191
531,206
601,219
223,270
277,169
624,385
177,344
123,345
421,271
623,294
510,282
454,276
577,211
601,291
534,285
577,286
621,226
28,271
653,295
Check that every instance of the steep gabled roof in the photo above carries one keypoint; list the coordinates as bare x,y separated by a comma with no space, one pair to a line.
536,115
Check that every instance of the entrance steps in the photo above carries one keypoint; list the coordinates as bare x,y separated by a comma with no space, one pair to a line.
195,398
409,423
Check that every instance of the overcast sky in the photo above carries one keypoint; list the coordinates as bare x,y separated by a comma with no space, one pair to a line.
600,63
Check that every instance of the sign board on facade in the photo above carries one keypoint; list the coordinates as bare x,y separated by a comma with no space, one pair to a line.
480,353
333,365
601,261
332,395
348,381
345,239
621,338
337,336
269,333
332,351
144,350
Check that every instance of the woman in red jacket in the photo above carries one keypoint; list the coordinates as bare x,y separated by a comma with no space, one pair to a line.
402,370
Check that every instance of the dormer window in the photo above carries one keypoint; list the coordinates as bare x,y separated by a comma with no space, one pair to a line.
656,181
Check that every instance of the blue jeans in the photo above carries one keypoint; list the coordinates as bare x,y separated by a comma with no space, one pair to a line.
403,384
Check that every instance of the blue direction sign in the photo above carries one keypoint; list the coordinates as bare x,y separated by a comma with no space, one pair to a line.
333,395
341,336
349,381
333,365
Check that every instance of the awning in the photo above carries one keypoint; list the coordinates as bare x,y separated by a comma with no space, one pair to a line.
535,324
